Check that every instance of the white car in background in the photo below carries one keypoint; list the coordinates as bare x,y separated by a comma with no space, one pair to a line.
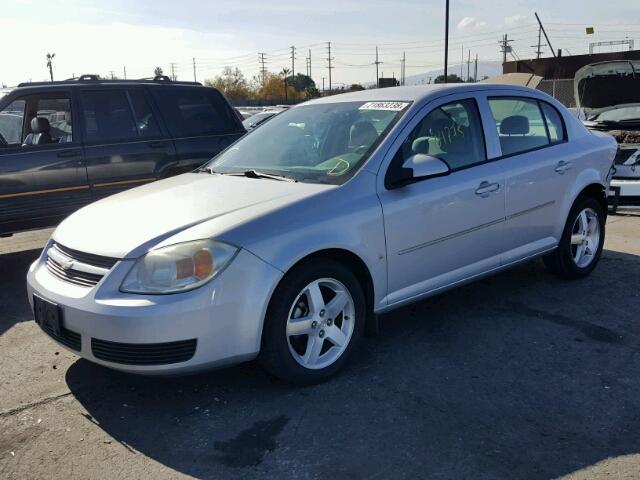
288,244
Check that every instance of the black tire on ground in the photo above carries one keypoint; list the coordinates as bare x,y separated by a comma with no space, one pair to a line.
560,261
275,356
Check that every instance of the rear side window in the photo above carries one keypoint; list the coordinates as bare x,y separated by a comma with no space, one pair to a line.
193,112
519,123
146,123
554,123
11,120
107,116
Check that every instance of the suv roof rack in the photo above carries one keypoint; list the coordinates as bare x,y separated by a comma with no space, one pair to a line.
96,78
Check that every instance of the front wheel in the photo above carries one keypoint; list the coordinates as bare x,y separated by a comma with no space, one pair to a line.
314,320
582,240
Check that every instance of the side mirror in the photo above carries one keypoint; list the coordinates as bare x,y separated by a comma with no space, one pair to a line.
425,166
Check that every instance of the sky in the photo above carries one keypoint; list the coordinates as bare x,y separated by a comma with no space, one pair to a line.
103,37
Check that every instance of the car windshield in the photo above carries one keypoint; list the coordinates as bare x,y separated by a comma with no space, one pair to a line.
257,119
317,143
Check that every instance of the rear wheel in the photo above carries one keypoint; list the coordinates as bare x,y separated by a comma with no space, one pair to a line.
314,320
582,239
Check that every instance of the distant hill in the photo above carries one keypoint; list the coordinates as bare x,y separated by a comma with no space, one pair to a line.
488,69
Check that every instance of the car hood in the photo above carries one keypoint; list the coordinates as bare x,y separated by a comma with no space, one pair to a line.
605,84
126,225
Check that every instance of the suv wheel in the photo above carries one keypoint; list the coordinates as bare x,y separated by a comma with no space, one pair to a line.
582,239
314,320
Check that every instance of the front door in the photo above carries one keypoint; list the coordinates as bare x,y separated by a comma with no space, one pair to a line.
42,172
124,143
442,230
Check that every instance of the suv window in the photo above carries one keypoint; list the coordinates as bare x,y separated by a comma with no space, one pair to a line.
107,116
145,120
195,112
519,124
11,120
58,112
452,132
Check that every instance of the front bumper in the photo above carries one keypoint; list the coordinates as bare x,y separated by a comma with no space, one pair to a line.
224,316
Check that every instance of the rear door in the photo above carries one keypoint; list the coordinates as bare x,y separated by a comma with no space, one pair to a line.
200,120
539,170
40,184
125,144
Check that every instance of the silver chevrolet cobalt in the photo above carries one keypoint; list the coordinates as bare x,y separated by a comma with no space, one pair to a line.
287,245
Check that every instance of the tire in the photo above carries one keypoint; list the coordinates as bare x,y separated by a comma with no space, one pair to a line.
562,261
297,306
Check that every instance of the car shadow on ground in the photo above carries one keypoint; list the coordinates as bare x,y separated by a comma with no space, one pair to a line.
520,376
14,304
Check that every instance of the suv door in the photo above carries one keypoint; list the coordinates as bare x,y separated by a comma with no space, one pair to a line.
41,182
200,120
538,169
124,143
445,229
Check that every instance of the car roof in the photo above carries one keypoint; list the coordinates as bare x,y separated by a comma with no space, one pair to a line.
415,93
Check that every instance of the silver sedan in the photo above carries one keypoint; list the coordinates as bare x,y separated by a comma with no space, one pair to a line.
287,245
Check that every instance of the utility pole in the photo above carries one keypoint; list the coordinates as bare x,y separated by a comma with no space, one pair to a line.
461,61
172,65
329,58
446,40
293,61
545,34
475,70
112,74
323,86
50,64
377,62
468,65
402,69
194,69
505,47
263,70
124,70
309,63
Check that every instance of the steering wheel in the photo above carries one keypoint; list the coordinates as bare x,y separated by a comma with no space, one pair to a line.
362,149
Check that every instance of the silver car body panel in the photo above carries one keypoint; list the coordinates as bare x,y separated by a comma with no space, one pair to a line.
415,241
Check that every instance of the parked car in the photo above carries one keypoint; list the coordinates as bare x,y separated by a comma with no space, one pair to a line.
608,97
65,144
288,244
254,121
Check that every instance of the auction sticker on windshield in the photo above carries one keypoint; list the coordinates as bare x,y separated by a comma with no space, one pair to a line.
391,106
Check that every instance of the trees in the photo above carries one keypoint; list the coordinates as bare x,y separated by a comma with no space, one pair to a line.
452,78
157,72
301,82
232,83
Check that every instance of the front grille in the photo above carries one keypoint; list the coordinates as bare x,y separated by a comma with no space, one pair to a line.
79,268
68,338
143,353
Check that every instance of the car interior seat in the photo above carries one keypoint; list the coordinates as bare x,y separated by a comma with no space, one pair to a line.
40,132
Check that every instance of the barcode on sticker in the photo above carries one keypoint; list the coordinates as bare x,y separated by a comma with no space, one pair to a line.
392,106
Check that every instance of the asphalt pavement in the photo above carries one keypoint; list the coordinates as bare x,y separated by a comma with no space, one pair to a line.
517,376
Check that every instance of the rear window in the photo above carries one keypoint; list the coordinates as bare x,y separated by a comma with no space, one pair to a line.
195,112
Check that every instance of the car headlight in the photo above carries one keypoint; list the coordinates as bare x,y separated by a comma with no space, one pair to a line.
178,268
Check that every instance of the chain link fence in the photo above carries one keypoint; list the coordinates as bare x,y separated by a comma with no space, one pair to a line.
560,89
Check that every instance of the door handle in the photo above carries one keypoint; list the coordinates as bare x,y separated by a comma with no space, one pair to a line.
157,144
562,167
485,188
68,154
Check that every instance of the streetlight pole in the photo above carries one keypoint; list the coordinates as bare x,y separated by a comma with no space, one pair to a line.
446,40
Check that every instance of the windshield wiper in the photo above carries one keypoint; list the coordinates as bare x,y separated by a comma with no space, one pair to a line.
257,174
248,174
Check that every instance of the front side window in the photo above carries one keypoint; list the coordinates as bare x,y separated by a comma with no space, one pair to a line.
11,121
57,111
452,132
317,143
107,116
519,124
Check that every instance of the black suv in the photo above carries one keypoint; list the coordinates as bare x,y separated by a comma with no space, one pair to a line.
65,144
